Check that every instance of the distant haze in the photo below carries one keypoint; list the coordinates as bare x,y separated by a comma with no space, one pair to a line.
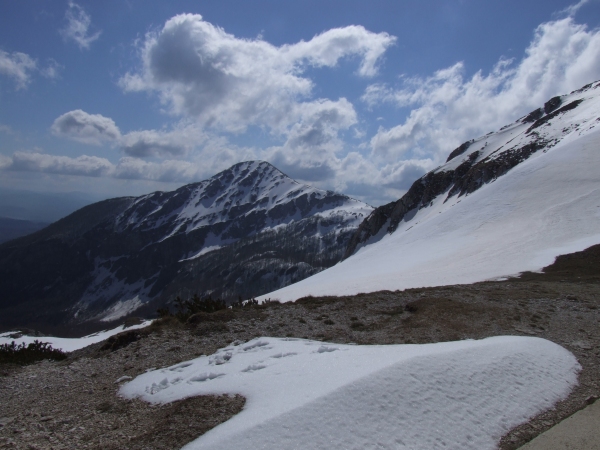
41,207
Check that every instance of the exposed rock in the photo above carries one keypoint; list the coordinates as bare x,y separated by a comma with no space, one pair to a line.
459,150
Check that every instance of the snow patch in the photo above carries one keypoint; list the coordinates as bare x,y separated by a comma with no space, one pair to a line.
69,344
465,394
121,309
204,251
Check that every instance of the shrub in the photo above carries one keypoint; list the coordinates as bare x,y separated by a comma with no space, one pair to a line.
120,340
194,305
244,303
27,354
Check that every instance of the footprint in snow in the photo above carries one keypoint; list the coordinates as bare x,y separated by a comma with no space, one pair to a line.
206,376
254,367
179,367
255,345
219,359
283,355
157,387
326,349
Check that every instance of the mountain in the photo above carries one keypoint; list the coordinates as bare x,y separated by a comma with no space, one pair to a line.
14,228
246,231
504,203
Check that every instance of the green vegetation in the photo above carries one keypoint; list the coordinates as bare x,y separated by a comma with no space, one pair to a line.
27,354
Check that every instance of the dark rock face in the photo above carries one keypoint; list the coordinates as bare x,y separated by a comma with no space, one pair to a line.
552,104
533,116
478,168
111,257
538,123
459,150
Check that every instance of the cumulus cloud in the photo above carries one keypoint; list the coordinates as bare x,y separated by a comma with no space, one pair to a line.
217,84
229,83
78,25
87,128
18,66
176,142
64,165
169,170
328,48
309,152
93,166
448,108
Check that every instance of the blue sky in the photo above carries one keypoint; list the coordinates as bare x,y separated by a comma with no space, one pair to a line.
125,97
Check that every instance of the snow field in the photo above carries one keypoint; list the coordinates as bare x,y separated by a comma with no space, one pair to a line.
70,344
546,206
308,394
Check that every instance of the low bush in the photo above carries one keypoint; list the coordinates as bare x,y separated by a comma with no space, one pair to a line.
24,354
197,309
121,340
194,305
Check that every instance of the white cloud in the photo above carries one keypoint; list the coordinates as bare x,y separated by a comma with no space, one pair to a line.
64,165
448,109
18,66
176,142
77,28
167,171
52,70
87,128
574,9
93,166
228,83
328,48
217,84
309,152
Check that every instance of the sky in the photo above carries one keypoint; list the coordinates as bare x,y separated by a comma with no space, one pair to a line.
118,98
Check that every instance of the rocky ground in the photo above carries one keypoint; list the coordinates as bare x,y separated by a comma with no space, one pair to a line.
74,403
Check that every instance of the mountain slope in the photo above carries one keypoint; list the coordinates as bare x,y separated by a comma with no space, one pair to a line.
504,203
245,231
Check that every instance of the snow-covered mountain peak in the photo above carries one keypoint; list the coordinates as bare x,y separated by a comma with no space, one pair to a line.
245,189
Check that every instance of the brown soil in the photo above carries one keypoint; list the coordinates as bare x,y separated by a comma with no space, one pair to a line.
73,403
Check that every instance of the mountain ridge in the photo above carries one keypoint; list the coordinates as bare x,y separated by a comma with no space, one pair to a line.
109,259
505,203
468,169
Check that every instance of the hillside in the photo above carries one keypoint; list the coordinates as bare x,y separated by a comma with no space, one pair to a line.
560,304
505,203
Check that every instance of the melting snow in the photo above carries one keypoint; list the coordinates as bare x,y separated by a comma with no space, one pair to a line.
70,344
121,308
204,251
465,394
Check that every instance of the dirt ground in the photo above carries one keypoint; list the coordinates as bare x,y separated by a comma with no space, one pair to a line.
74,403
